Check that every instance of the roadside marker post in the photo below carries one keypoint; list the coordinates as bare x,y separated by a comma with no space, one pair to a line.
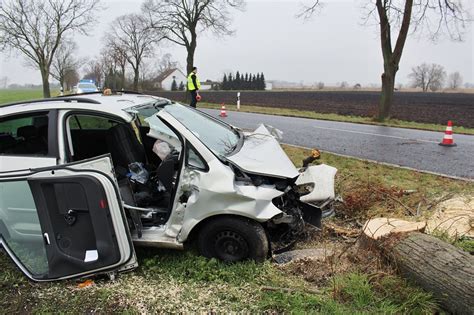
238,100
448,136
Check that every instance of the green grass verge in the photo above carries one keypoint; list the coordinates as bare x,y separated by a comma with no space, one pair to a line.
184,282
335,117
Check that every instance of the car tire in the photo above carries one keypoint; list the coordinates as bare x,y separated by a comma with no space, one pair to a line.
233,239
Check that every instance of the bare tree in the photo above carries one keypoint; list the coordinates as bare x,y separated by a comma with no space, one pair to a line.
117,52
455,80
428,77
94,70
136,39
166,63
398,17
182,20
71,78
36,28
65,62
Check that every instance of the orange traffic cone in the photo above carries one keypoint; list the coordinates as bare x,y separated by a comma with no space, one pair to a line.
223,112
448,136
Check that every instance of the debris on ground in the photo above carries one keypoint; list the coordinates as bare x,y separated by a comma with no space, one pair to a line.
310,253
453,217
381,227
85,284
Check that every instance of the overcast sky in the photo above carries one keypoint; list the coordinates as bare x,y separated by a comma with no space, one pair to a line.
334,46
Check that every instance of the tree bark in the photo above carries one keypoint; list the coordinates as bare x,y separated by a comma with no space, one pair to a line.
436,266
136,78
386,99
391,56
191,48
45,79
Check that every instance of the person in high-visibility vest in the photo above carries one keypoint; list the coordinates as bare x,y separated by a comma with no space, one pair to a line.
193,87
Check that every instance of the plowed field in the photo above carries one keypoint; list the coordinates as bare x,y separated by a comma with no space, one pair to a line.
420,107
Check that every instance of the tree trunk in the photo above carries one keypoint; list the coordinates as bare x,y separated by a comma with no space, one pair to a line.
436,266
122,77
386,99
136,78
45,80
191,50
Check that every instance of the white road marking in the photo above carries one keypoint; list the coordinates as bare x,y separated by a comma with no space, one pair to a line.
374,134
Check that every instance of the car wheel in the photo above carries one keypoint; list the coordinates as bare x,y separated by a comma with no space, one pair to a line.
232,239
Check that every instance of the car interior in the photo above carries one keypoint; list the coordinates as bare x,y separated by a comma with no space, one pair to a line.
146,181
24,135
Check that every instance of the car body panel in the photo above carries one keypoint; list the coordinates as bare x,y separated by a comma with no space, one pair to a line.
26,219
262,154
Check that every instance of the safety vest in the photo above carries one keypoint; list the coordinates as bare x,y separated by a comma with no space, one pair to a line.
191,86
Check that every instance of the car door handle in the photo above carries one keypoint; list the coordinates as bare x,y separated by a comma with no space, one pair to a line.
46,238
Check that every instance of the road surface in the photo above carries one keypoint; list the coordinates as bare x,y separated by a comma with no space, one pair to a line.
404,147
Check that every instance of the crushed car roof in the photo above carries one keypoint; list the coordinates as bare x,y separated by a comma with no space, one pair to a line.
113,104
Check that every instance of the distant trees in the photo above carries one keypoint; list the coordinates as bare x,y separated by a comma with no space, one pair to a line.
455,80
65,65
36,28
243,82
132,34
396,18
428,77
181,21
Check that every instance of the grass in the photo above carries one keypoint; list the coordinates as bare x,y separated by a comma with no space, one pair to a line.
173,281
183,282
10,96
16,95
335,117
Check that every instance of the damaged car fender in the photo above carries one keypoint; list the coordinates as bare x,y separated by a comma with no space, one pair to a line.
218,195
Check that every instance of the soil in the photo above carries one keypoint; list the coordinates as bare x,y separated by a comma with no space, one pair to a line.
435,108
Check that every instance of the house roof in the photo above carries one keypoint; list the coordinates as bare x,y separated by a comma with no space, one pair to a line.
167,73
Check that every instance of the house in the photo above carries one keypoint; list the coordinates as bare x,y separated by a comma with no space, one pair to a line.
165,80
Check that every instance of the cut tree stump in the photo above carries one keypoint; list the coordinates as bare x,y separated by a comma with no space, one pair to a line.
436,266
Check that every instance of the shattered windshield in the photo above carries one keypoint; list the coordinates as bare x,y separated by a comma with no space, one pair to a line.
218,137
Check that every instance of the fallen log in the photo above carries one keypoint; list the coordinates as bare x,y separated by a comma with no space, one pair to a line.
436,266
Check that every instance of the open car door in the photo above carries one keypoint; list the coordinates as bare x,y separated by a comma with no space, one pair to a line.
65,221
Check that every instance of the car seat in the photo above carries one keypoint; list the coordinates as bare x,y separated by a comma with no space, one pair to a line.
124,146
32,143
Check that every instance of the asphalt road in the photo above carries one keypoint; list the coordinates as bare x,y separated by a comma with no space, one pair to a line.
404,147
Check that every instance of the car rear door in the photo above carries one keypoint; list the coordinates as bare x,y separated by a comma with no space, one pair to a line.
65,221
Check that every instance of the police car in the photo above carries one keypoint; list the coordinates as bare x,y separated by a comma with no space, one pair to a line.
85,86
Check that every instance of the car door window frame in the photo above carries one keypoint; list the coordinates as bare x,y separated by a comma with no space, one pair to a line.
189,147
67,139
53,145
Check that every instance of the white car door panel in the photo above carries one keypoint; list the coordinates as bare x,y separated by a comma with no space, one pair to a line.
64,221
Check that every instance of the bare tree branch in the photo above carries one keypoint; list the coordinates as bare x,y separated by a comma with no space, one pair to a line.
182,20
37,28
131,36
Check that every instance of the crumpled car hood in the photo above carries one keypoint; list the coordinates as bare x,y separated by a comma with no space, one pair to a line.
262,154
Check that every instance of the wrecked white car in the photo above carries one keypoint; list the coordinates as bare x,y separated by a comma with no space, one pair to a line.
84,179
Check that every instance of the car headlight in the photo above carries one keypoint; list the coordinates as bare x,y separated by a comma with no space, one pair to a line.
79,90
